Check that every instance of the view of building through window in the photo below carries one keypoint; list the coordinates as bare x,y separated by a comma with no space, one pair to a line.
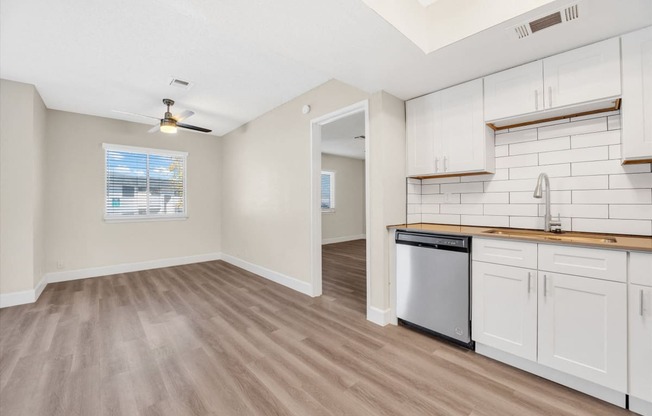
327,191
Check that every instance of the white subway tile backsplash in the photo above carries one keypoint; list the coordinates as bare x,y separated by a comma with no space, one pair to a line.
640,212
414,218
580,182
511,185
561,143
544,124
603,167
638,180
638,227
429,189
615,152
516,161
591,190
441,218
574,155
602,138
595,115
553,171
577,210
573,128
474,209
516,137
613,196
458,188
613,122
556,197
525,210
485,220
501,151
486,198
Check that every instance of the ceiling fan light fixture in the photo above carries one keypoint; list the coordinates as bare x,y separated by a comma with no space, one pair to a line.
168,126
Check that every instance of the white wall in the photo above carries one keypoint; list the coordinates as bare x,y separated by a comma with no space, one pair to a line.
592,191
22,116
266,192
347,222
77,237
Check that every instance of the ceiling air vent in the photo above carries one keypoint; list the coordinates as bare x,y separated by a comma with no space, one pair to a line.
179,83
567,14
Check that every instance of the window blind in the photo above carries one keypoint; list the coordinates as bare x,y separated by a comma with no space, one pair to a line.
144,183
327,190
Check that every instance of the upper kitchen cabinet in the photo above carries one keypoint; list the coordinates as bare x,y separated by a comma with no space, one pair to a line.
446,133
581,75
637,97
578,81
515,91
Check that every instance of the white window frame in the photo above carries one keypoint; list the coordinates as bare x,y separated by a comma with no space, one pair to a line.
332,196
148,151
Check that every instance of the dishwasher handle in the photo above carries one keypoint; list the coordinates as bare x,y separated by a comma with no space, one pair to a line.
434,241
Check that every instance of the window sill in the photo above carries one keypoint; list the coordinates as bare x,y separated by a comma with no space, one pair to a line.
328,211
145,218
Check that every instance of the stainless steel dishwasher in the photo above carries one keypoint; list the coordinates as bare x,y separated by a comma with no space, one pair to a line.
433,284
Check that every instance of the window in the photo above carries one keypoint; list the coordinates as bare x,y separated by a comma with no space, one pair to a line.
327,191
144,183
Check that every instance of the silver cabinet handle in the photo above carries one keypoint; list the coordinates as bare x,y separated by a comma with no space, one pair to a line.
550,97
545,285
445,167
536,99
529,282
640,304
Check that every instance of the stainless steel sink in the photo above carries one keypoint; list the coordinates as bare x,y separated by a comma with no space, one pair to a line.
570,237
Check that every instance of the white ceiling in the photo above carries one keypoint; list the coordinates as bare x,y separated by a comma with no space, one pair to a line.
247,57
337,138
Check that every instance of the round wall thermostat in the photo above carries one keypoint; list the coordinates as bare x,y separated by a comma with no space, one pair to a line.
305,109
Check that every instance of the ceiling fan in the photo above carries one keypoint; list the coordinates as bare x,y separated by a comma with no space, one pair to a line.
169,123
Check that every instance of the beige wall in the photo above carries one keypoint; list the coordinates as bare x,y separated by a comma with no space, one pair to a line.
348,220
266,191
22,116
77,236
386,190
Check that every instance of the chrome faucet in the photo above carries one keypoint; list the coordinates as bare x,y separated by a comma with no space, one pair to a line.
549,224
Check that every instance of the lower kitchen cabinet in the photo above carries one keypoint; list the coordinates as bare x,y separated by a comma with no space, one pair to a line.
640,342
583,328
505,308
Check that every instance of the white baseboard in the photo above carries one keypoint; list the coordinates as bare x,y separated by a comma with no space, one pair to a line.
639,406
343,239
587,387
24,296
291,282
378,316
129,267
30,296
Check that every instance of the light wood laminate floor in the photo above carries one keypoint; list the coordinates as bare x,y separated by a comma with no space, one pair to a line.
212,339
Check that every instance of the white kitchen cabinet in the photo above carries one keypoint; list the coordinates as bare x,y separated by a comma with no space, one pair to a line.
420,134
640,342
637,97
583,328
446,133
505,308
583,261
584,74
581,80
514,91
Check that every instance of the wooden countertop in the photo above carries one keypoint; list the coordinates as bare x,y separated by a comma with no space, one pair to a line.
623,242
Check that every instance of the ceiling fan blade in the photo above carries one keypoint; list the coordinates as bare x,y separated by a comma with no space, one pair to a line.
134,114
183,115
154,129
189,127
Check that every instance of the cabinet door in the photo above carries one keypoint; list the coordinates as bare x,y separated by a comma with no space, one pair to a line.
640,342
584,74
514,92
637,96
504,309
583,328
420,116
463,134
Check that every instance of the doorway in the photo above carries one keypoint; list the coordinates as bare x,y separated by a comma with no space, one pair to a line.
340,205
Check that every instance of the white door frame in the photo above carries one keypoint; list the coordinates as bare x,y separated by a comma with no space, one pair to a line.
315,194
